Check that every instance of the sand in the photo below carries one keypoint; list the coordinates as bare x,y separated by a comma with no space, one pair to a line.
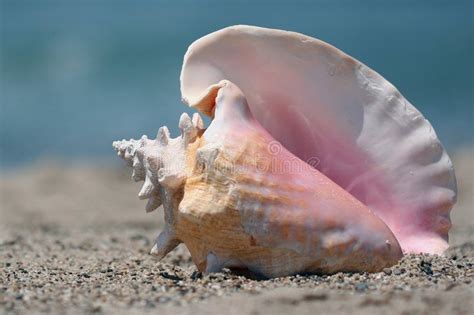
75,239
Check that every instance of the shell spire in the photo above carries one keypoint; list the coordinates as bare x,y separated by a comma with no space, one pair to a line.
160,164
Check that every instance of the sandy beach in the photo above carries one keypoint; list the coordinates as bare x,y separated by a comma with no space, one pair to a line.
75,239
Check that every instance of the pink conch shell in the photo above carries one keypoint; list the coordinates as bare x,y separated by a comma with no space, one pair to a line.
312,161
238,199
320,103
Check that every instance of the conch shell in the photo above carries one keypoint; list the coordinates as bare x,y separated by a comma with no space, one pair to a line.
312,162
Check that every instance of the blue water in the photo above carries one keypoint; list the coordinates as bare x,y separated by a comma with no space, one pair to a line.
76,75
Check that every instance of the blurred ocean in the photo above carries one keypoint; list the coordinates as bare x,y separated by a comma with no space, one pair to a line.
76,75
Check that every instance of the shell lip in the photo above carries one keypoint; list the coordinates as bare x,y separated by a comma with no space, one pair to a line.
206,102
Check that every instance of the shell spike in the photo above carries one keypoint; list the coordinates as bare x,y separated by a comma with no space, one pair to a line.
148,189
165,243
197,121
153,203
163,135
188,129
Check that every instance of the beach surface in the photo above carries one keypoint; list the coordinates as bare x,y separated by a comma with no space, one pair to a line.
75,239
